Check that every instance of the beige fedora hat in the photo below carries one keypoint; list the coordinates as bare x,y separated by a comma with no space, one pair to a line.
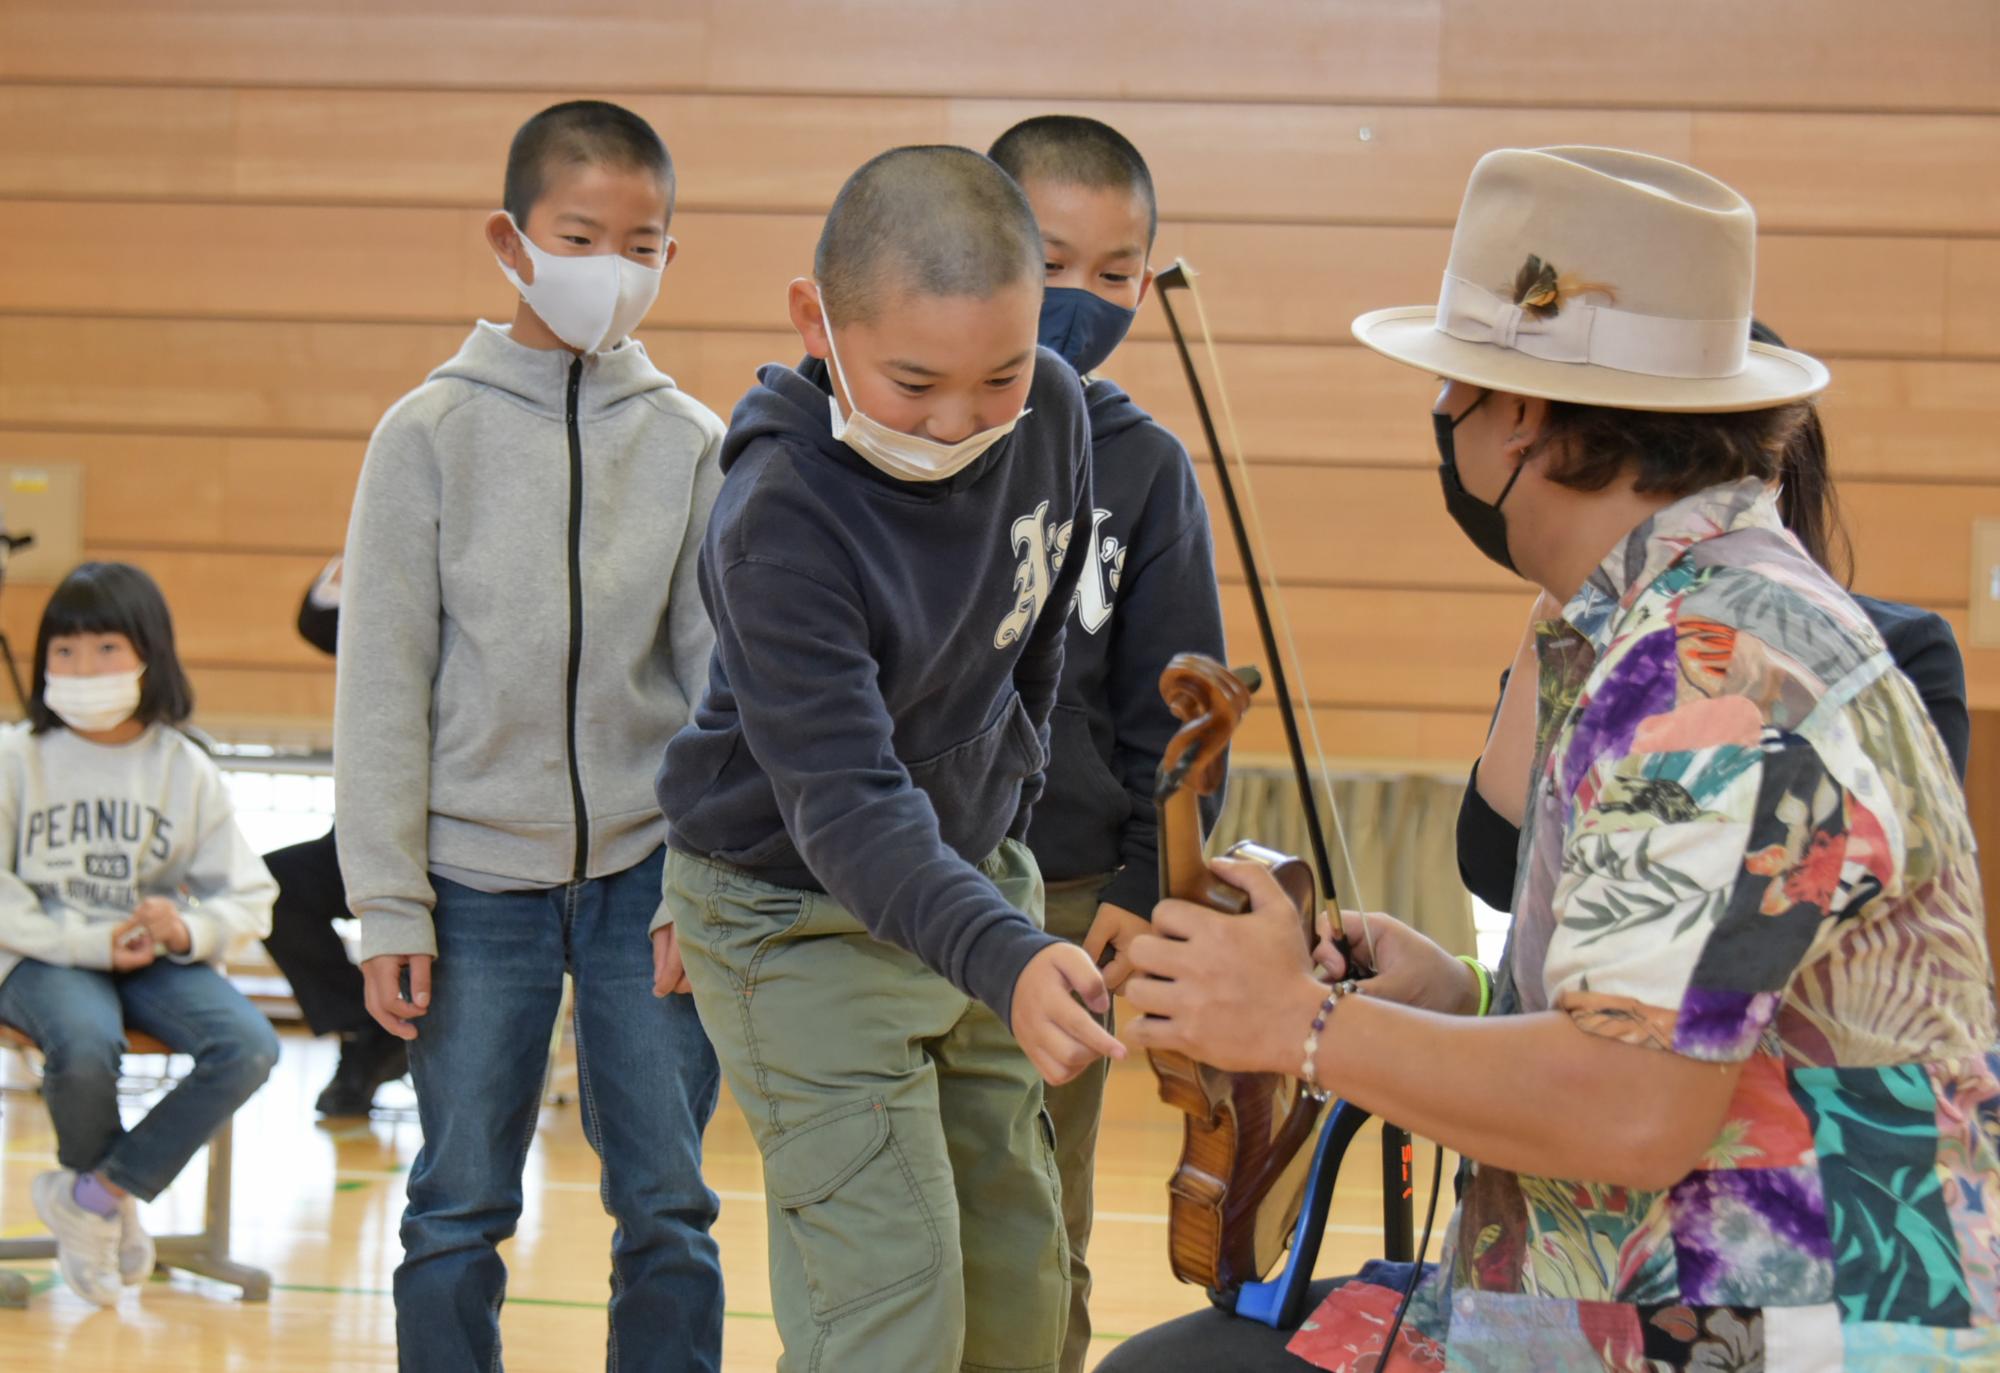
1602,277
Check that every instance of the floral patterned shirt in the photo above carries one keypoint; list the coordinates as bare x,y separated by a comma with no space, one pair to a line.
1745,844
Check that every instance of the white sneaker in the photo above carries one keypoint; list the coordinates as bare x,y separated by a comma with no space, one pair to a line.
135,1246
86,1243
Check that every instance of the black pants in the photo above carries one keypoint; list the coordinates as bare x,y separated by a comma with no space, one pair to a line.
1209,1339
303,942
1213,1341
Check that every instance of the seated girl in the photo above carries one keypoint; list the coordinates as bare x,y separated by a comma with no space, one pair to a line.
128,882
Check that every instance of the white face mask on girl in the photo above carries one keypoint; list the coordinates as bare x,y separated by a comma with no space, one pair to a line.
93,704
591,303
906,457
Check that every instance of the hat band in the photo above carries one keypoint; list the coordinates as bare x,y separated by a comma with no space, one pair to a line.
1598,335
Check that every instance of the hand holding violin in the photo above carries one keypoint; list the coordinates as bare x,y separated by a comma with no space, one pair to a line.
1411,969
1234,991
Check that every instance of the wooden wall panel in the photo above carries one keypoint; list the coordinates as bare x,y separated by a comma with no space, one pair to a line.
443,43
238,609
1803,53
1294,163
284,706
1326,526
1814,54
237,230
1889,420
1263,283
1820,172
1876,172
1375,527
233,378
226,606
1972,285
211,376
1368,49
175,491
1886,420
234,617
1391,649
1914,420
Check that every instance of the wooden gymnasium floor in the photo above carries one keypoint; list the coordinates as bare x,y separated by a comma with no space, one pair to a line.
318,1207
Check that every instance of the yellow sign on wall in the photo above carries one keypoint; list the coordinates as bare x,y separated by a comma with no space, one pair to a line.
44,500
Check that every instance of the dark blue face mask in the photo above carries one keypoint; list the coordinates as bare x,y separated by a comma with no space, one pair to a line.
1082,326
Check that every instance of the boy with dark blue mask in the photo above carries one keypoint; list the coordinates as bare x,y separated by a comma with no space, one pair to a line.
1148,592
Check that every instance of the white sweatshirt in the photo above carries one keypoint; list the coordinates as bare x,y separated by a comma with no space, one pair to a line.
90,830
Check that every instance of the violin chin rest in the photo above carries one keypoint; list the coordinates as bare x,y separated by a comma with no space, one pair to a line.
1295,875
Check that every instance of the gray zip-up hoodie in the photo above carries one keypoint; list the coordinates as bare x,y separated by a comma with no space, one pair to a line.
520,628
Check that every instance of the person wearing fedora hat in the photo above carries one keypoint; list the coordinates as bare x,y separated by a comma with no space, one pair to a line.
1730,1100
1920,643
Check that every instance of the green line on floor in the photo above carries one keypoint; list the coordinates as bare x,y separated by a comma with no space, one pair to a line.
48,1279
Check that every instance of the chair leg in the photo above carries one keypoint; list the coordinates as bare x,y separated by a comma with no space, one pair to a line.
29,1066
13,1289
207,1254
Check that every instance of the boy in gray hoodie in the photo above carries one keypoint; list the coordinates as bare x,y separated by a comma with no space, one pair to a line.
520,635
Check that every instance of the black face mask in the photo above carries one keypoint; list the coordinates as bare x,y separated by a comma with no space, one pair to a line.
1481,522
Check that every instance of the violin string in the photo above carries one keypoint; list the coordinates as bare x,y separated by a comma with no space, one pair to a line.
1284,620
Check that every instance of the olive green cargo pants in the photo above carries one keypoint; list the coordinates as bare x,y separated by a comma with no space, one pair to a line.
909,1171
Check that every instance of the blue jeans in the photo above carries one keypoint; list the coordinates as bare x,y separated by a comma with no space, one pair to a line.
648,1083
78,1018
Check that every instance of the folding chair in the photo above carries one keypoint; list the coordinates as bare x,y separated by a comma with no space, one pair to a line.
205,1253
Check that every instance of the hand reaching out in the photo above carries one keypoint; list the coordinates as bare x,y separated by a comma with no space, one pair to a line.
1114,928
1060,1036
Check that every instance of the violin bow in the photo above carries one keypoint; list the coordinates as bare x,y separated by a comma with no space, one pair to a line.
1271,625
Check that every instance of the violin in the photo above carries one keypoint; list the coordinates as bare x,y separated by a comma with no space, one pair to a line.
1236,1192
1244,1168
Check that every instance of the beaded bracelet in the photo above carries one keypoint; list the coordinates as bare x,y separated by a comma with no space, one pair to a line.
1309,1070
1485,982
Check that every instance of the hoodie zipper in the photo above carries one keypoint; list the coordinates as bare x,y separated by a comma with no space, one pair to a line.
576,612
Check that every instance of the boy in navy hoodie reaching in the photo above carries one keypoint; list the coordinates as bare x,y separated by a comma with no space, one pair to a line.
860,919
1147,592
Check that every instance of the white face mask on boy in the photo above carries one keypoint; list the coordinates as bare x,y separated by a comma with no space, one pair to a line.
591,303
93,704
906,457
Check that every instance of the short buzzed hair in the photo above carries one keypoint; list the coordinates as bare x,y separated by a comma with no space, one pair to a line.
1081,152
938,220
581,133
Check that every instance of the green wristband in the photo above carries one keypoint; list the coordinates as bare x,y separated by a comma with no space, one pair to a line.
1485,982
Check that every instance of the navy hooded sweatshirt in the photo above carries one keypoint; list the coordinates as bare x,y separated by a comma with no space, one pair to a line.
887,656
1147,592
